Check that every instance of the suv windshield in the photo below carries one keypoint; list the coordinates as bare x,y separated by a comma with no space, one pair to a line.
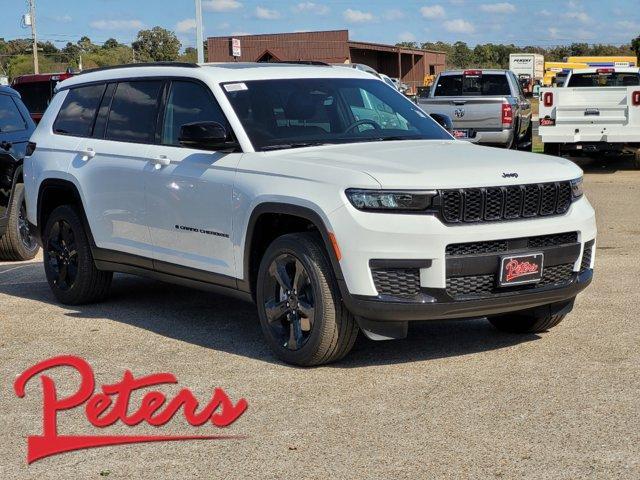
303,112
469,85
613,79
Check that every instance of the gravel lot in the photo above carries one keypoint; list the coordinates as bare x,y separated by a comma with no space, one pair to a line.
455,400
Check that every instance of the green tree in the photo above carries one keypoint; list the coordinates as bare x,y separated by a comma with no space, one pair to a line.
110,43
635,46
157,44
461,56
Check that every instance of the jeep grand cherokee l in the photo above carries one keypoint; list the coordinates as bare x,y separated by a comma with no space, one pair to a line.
319,193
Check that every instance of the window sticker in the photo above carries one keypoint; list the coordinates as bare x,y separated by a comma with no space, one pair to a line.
235,87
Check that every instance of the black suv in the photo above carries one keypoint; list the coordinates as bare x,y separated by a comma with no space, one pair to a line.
16,126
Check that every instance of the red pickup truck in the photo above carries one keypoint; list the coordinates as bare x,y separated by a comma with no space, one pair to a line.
37,91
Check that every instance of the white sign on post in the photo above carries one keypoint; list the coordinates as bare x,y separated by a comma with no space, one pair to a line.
236,49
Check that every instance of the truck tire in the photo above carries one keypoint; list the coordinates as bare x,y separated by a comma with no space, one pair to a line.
516,323
17,243
526,143
68,262
301,312
552,149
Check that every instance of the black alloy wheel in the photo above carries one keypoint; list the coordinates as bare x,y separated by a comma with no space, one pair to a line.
24,232
289,303
299,304
63,255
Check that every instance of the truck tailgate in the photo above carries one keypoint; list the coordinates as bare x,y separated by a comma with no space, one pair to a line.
592,106
468,112
591,114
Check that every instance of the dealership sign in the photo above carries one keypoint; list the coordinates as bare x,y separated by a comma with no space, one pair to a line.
110,405
236,48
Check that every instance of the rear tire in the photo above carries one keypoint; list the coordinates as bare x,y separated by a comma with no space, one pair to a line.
526,144
518,323
636,159
552,149
301,312
68,262
17,243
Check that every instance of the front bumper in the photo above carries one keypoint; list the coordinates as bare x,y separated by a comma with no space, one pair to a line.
437,305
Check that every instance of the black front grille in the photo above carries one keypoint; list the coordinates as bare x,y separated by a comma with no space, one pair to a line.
501,246
486,285
585,264
504,203
398,282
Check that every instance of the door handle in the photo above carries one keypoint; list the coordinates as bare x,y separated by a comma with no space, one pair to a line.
161,161
87,154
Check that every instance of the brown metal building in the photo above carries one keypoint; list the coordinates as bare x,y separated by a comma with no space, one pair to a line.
334,46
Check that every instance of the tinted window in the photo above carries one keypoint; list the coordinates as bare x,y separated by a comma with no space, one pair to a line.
10,118
36,95
299,112
189,102
468,85
134,110
78,111
604,80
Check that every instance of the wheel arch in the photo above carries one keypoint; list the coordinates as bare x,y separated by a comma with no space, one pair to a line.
252,251
54,192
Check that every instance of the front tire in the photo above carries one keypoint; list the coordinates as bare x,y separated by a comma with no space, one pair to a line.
17,243
68,262
518,323
301,312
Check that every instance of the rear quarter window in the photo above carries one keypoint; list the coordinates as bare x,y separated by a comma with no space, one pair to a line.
78,111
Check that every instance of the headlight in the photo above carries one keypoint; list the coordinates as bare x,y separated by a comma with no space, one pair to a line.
390,200
576,188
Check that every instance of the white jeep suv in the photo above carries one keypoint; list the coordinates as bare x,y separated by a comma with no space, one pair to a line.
319,193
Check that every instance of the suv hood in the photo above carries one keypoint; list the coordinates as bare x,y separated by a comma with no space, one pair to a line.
426,164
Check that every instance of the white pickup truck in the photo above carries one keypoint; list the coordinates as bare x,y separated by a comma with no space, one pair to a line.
597,110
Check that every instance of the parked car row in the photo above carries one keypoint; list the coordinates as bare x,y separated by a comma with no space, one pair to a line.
326,197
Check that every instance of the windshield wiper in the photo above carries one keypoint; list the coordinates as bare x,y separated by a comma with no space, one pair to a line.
284,146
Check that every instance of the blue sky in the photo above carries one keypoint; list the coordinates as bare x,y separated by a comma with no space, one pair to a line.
539,22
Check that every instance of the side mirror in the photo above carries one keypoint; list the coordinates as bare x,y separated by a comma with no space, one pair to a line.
204,135
444,121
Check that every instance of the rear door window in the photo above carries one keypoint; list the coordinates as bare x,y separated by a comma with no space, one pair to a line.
78,111
134,111
471,85
10,118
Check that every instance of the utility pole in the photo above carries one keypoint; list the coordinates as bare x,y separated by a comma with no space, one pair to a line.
199,36
32,14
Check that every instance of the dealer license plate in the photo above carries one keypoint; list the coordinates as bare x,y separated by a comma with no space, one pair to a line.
461,133
521,269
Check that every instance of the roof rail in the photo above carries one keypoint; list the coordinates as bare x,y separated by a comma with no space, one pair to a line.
147,64
302,62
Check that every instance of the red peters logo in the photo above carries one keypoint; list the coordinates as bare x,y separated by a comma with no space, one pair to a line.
102,410
516,269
